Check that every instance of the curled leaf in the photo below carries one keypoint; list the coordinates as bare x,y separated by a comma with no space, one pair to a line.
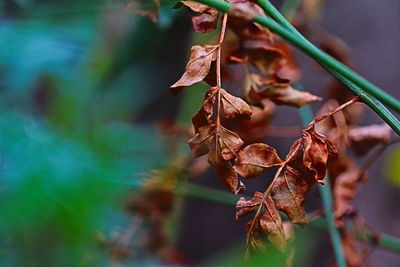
198,66
207,21
254,159
311,154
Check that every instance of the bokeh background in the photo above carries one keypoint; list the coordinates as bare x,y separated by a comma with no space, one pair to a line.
83,92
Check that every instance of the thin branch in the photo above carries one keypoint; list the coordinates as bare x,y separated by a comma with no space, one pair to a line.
339,108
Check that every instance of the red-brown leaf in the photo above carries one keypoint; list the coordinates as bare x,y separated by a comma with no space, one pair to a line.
285,94
317,150
229,143
269,221
226,172
271,224
205,23
201,142
234,107
345,188
200,8
198,66
202,117
254,159
289,193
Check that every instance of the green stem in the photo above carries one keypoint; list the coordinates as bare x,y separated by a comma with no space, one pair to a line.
373,103
324,59
383,240
332,65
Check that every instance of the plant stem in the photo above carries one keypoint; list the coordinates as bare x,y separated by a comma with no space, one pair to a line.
333,66
339,108
324,59
383,240
374,104
219,83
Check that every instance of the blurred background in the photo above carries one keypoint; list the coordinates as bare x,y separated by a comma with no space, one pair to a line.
93,167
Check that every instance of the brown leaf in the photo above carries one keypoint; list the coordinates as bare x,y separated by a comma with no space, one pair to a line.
271,224
229,143
254,159
285,94
201,142
317,150
205,23
255,129
345,188
263,55
200,8
226,172
202,117
244,207
363,139
198,66
289,193
234,107
275,89
269,221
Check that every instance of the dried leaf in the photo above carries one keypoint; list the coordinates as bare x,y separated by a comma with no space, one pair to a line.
254,159
345,188
205,23
200,8
198,66
222,146
263,55
229,143
202,117
200,143
244,207
269,221
235,107
226,173
363,139
285,94
317,150
289,193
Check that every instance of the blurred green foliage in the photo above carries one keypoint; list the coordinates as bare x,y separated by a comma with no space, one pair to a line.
72,81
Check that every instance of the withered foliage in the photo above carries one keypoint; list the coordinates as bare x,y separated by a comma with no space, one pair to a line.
229,130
